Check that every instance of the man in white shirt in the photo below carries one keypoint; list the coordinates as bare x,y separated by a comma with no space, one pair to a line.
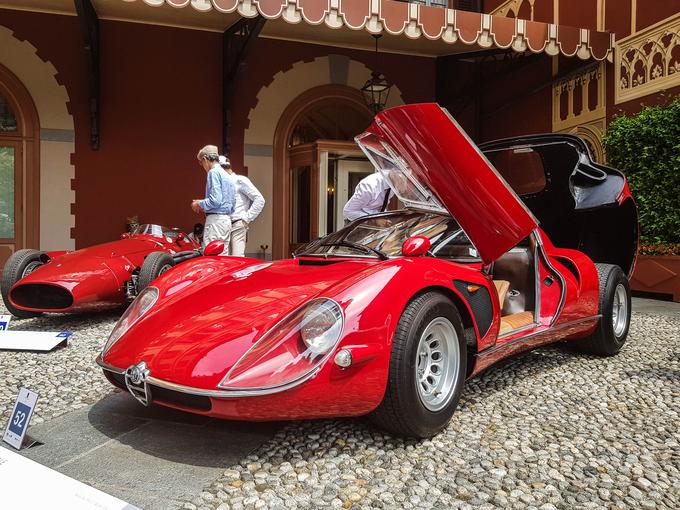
371,195
248,204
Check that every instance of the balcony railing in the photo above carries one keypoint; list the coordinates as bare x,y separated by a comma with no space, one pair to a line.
648,61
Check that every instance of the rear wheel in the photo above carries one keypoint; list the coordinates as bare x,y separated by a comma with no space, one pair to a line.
427,368
615,308
20,264
155,264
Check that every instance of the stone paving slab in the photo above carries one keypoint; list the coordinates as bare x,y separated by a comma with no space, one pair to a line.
150,457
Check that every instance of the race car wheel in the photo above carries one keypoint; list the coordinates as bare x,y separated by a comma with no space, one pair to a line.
615,308
427,368
155,264
19,265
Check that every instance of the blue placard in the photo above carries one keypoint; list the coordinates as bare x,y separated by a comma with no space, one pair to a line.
19,419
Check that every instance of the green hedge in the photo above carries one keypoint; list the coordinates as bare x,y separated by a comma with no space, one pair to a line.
646,147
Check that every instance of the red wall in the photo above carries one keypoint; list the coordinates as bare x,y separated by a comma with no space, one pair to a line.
161,102
653,11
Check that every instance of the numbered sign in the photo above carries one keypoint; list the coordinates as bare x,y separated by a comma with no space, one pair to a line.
4,322
20,417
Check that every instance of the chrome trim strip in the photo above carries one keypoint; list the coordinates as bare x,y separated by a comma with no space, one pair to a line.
497,348
518,330
108,367
214,393
563,291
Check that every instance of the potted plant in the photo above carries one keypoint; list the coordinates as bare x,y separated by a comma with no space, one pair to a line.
646,146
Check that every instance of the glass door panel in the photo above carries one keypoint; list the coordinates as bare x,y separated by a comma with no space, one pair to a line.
8,158
349,173
300,186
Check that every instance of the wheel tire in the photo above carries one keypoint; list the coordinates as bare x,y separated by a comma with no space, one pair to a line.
20,264
155,264
610,335
402,410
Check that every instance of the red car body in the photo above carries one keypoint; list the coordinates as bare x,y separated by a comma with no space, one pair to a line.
93,278
210,316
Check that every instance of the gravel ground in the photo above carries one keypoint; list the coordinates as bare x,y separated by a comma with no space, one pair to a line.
66,378
550,429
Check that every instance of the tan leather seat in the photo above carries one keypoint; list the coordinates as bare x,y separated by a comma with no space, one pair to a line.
515,321
502,287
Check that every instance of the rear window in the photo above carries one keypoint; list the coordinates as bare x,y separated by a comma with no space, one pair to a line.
521,167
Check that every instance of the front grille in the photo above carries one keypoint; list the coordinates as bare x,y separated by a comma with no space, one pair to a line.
177,398
41,295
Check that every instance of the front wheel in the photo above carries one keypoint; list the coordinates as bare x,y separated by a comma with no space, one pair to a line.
615,309
427,368
20,264
155,264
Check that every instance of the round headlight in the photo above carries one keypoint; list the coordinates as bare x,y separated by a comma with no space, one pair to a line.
321,327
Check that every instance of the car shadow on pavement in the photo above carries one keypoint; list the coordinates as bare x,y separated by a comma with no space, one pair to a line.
175,436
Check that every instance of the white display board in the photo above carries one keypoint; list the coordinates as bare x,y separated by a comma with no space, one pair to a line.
27,484
32,340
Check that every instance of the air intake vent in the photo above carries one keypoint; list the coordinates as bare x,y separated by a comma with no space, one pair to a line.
41,296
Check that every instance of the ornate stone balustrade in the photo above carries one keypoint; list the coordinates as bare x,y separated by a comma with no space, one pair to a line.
511,8
648,61
587,119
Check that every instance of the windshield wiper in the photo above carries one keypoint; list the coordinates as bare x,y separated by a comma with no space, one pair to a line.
366,249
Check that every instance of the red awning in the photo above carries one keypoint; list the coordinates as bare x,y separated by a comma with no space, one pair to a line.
454,31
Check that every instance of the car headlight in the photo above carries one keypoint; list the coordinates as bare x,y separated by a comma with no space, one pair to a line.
142,304
321,327
291,350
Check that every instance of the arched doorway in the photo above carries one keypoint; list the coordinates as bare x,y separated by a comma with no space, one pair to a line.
19,167
316,164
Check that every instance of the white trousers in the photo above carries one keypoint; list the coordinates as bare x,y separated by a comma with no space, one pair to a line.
237,244
217,226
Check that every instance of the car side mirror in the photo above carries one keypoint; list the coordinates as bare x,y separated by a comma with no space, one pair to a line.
215,247
125,235
415,246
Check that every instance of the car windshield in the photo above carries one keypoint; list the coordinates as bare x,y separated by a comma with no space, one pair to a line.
381,235
150,229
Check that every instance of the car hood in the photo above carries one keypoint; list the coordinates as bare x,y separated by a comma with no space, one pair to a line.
210,311
431,163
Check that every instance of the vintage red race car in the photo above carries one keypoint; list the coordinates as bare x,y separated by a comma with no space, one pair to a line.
390,315
96,278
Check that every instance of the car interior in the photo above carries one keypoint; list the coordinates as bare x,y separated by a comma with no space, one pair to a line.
514,275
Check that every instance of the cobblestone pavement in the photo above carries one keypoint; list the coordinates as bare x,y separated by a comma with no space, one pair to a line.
550,429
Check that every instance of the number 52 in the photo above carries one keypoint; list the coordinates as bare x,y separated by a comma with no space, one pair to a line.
19,419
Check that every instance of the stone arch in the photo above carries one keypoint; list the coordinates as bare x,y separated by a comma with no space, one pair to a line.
593,136
56,138
338,72
305,102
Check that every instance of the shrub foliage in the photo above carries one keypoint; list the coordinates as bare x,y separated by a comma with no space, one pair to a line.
646,147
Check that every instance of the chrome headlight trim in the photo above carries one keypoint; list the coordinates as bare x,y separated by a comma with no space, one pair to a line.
137,306
305,376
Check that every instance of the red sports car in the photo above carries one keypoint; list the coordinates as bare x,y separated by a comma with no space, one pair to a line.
391,314
96,278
